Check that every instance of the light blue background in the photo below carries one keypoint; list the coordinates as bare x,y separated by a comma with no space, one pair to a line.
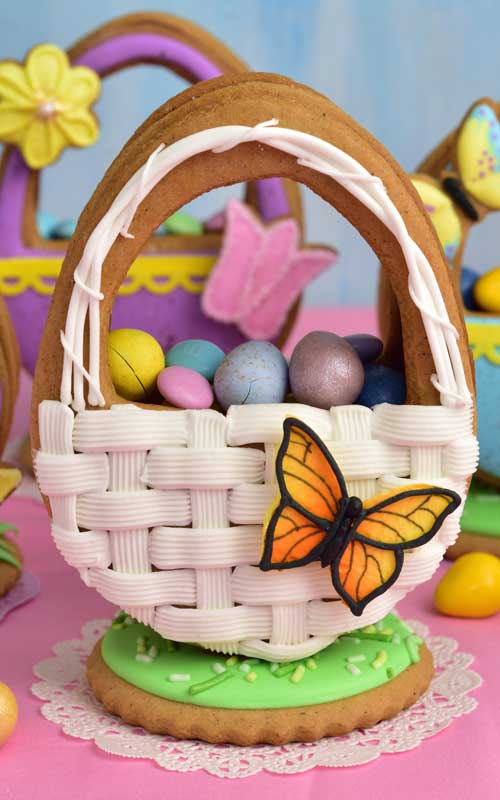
406,69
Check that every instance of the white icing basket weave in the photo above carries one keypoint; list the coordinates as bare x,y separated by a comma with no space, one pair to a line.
161,511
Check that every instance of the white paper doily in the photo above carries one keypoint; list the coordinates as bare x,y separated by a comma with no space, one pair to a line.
69,703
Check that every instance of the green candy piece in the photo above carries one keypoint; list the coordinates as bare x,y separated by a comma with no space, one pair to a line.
182,224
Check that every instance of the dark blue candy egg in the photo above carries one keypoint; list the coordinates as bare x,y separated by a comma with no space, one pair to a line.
382,385
366,346
468,278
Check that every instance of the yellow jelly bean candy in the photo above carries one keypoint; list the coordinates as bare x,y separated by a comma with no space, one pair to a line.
135,361
487,291
471,587
8,712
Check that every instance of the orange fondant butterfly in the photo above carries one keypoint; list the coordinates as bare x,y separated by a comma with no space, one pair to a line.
362,542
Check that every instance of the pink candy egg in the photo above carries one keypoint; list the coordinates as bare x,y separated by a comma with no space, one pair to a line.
184,388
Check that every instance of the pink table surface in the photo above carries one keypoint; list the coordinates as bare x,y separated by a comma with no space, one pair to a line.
39,762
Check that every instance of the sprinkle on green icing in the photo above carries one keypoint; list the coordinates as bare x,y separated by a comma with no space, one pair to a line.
218,668
143,657
196,688
184,673
285,669
368,629
396,638
298,673
412,645
380,659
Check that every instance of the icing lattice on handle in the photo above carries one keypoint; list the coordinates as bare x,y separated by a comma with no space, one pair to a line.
311,152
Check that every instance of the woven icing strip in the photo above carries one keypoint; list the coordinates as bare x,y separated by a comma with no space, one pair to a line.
184,557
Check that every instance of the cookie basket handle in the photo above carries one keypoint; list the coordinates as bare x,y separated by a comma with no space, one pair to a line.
240,128
141,38
9,373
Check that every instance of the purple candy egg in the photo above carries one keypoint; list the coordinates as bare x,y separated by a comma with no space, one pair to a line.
184,388
325,371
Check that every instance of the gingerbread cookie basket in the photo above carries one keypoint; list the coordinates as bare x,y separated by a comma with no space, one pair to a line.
161,511
168,276
9,373
459,185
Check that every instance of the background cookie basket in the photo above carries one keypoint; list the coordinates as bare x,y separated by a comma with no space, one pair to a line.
163,288
161,511
460,186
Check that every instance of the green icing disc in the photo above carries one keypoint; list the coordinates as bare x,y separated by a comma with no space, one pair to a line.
354,663
481,512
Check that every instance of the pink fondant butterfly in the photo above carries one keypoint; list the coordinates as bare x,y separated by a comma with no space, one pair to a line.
260,273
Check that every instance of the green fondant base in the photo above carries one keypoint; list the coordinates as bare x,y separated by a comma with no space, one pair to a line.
481,514
216,681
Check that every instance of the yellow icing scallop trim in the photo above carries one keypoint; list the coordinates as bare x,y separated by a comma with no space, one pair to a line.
159,274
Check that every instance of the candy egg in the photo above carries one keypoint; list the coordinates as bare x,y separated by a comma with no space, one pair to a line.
382,385
325,371
8,712
184,388
470,587
63,229
487,291
135,359
468,279
45,223
198,354
182,224
254,372
366,346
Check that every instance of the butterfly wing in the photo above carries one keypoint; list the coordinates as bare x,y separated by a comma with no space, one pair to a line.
291,539
405,519
312,491
478,155
442,213
389,523
363,571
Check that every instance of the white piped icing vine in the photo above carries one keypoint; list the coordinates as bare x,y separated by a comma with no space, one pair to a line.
311,152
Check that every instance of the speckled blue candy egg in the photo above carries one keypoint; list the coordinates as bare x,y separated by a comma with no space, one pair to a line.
468,279
64,229
382,385
366,346
198,354
254,372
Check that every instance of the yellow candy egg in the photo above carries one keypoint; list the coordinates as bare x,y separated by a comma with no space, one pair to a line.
8,713
487,291
471,587
135,361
